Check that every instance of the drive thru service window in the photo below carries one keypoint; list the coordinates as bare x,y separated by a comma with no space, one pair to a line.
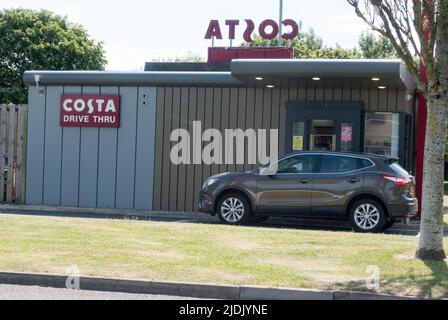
382,133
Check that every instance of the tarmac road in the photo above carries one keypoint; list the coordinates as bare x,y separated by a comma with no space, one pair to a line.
13,292
188,217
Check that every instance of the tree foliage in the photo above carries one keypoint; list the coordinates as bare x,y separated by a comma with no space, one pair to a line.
411,27
308,45
41,40
373,47
189,57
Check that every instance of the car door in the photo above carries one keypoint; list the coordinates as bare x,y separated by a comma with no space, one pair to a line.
288,190
338,178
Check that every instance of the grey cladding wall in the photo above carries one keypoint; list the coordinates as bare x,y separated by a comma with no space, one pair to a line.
92,167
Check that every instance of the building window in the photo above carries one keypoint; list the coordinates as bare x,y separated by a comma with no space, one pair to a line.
382,133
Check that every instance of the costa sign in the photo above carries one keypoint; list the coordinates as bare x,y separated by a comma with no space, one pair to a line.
101,111
214,29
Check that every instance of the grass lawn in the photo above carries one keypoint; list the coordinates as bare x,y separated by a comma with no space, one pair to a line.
217,254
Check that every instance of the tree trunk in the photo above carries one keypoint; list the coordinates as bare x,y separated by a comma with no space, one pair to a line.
431,227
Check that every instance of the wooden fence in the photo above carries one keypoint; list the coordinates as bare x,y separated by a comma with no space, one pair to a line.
13,119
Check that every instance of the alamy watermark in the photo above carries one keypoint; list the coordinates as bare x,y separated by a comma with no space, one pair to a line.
373,280
211,147
73,281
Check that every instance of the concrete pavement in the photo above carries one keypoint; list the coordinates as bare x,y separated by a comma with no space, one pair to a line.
15,292
25,286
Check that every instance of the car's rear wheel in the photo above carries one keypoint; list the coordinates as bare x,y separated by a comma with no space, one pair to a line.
367,215
234,209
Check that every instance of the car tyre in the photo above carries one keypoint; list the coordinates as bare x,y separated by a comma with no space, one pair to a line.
367,215
234,209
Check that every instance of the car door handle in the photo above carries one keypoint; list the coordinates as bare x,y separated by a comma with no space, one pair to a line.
354,180
304,181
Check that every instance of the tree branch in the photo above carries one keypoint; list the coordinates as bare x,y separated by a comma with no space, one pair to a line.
394,24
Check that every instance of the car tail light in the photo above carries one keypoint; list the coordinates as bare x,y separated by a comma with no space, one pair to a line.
398,180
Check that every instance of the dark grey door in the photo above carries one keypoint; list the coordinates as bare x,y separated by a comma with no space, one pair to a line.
290,189
337,180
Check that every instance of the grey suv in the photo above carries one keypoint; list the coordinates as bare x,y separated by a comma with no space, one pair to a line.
370,191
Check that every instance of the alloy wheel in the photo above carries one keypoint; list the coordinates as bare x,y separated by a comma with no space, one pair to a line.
232,210
367,216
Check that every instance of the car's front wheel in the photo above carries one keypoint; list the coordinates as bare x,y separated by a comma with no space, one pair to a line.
367,215
234,209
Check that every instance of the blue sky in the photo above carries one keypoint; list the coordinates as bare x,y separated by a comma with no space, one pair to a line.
135,31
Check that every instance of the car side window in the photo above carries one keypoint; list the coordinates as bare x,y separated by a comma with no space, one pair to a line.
297,164
365,163
336,164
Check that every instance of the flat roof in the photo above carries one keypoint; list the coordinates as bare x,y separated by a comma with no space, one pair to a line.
279,72
391,73
112,78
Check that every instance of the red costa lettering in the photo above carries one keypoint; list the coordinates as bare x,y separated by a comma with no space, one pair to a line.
264,25
232,26
214,29
247,36
294,29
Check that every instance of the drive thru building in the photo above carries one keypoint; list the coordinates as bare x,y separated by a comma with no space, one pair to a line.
123,162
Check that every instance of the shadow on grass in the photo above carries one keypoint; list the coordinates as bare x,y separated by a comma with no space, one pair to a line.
413,284
290,223
439,275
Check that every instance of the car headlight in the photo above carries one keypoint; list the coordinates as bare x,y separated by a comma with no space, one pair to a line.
209,182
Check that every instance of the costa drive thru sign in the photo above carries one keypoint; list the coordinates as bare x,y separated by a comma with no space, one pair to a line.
102,111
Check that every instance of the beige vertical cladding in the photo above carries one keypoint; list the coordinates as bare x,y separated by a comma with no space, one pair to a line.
177,187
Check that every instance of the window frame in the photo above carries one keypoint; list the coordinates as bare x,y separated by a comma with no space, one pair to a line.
406,159
319,155
398,137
